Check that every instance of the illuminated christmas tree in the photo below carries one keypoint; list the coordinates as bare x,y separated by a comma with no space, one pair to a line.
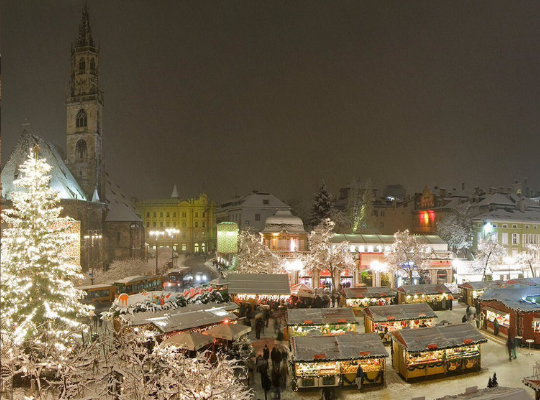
37,294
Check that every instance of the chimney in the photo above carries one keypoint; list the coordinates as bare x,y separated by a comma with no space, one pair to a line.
462,185
442,192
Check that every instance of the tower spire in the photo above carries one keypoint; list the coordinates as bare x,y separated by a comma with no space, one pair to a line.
85,31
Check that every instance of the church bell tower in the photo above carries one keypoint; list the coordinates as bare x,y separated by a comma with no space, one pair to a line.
84,104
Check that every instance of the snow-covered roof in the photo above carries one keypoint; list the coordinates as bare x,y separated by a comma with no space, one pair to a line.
510,215
523,299
337,348
283,220
255,200
434,241
496,393
524,281
427,288
121,209
320,316
527,201
184,318
261,284
438,337
399,312
369,292
61,178
481,285
496,199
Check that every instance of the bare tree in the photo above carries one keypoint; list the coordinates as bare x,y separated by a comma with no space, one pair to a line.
254,257
530,258
407,255
354,204
323,254
456,229
489,253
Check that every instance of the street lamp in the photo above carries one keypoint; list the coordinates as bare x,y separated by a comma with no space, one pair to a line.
89,238
157,234
172,232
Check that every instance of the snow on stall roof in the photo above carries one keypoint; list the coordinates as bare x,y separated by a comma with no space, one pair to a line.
448,336
261,284
336,348
400,312
524,281
482,285
496,393
184,318
514,298
424,289
320,316
369,291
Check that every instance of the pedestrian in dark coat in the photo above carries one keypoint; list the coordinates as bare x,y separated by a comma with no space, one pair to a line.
266,353
273,355
468,312
359,377
464,319
276,382
509,345
495,327
257,328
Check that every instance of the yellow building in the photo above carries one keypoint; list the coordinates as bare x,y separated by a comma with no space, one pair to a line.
193,218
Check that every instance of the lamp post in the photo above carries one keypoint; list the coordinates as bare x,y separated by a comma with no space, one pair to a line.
172,232
157,234
90,237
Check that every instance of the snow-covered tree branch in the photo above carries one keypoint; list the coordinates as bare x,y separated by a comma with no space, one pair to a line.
407,255
489,253
254,257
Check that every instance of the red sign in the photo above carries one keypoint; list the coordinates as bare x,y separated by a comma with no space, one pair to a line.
342,321
308,322
390,318
467,341
319,356
432,346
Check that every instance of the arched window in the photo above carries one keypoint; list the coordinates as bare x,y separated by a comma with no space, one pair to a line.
80,149
92,65
81,119
82,65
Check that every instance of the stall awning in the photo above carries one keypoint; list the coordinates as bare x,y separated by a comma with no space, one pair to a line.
259,284
399,312
189,340
424,289
338,348
517,299
228,331
369,292
320,316
438,337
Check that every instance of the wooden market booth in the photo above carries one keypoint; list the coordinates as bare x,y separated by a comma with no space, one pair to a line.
436,351
320,361
470,291
360,297
436,295
517,311
258,288
386,319
320,321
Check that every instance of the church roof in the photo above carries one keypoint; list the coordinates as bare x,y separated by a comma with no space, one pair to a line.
121,209
62,179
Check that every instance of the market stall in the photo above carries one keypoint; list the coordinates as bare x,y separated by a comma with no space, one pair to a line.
516,312
360,297
320,321
439,350
470,291
387,319
259,288
301,290
436,295
321,361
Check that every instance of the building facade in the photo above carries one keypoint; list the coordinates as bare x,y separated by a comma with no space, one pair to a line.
194,218
250,211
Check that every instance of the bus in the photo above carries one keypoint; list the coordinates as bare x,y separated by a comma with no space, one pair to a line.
179,277
138,284
98,294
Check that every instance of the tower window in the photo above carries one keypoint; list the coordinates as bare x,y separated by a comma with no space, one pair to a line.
81,119
82,65
93,66
80,149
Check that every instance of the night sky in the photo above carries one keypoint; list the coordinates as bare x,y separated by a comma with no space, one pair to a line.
226,97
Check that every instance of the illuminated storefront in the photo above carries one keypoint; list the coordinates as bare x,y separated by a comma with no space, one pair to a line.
440,350
436,296
321,361
361,297
387,319
470,291
320,321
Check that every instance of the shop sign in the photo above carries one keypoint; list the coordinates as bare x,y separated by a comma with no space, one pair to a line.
467,341
365,353
432,346
319,356
390,318
308,322
342,321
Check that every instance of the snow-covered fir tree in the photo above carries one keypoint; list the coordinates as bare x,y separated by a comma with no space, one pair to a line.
488,254
254,257
354,204
334,257
37,291
367,220
407,255
321,207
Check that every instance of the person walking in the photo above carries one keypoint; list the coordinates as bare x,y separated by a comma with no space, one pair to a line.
514,354
359,377
258,328
451,300
276,382
468,313
273,355
509,347
266,354
495,326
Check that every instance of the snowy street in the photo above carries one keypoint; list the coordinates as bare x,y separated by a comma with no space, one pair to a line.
494,360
